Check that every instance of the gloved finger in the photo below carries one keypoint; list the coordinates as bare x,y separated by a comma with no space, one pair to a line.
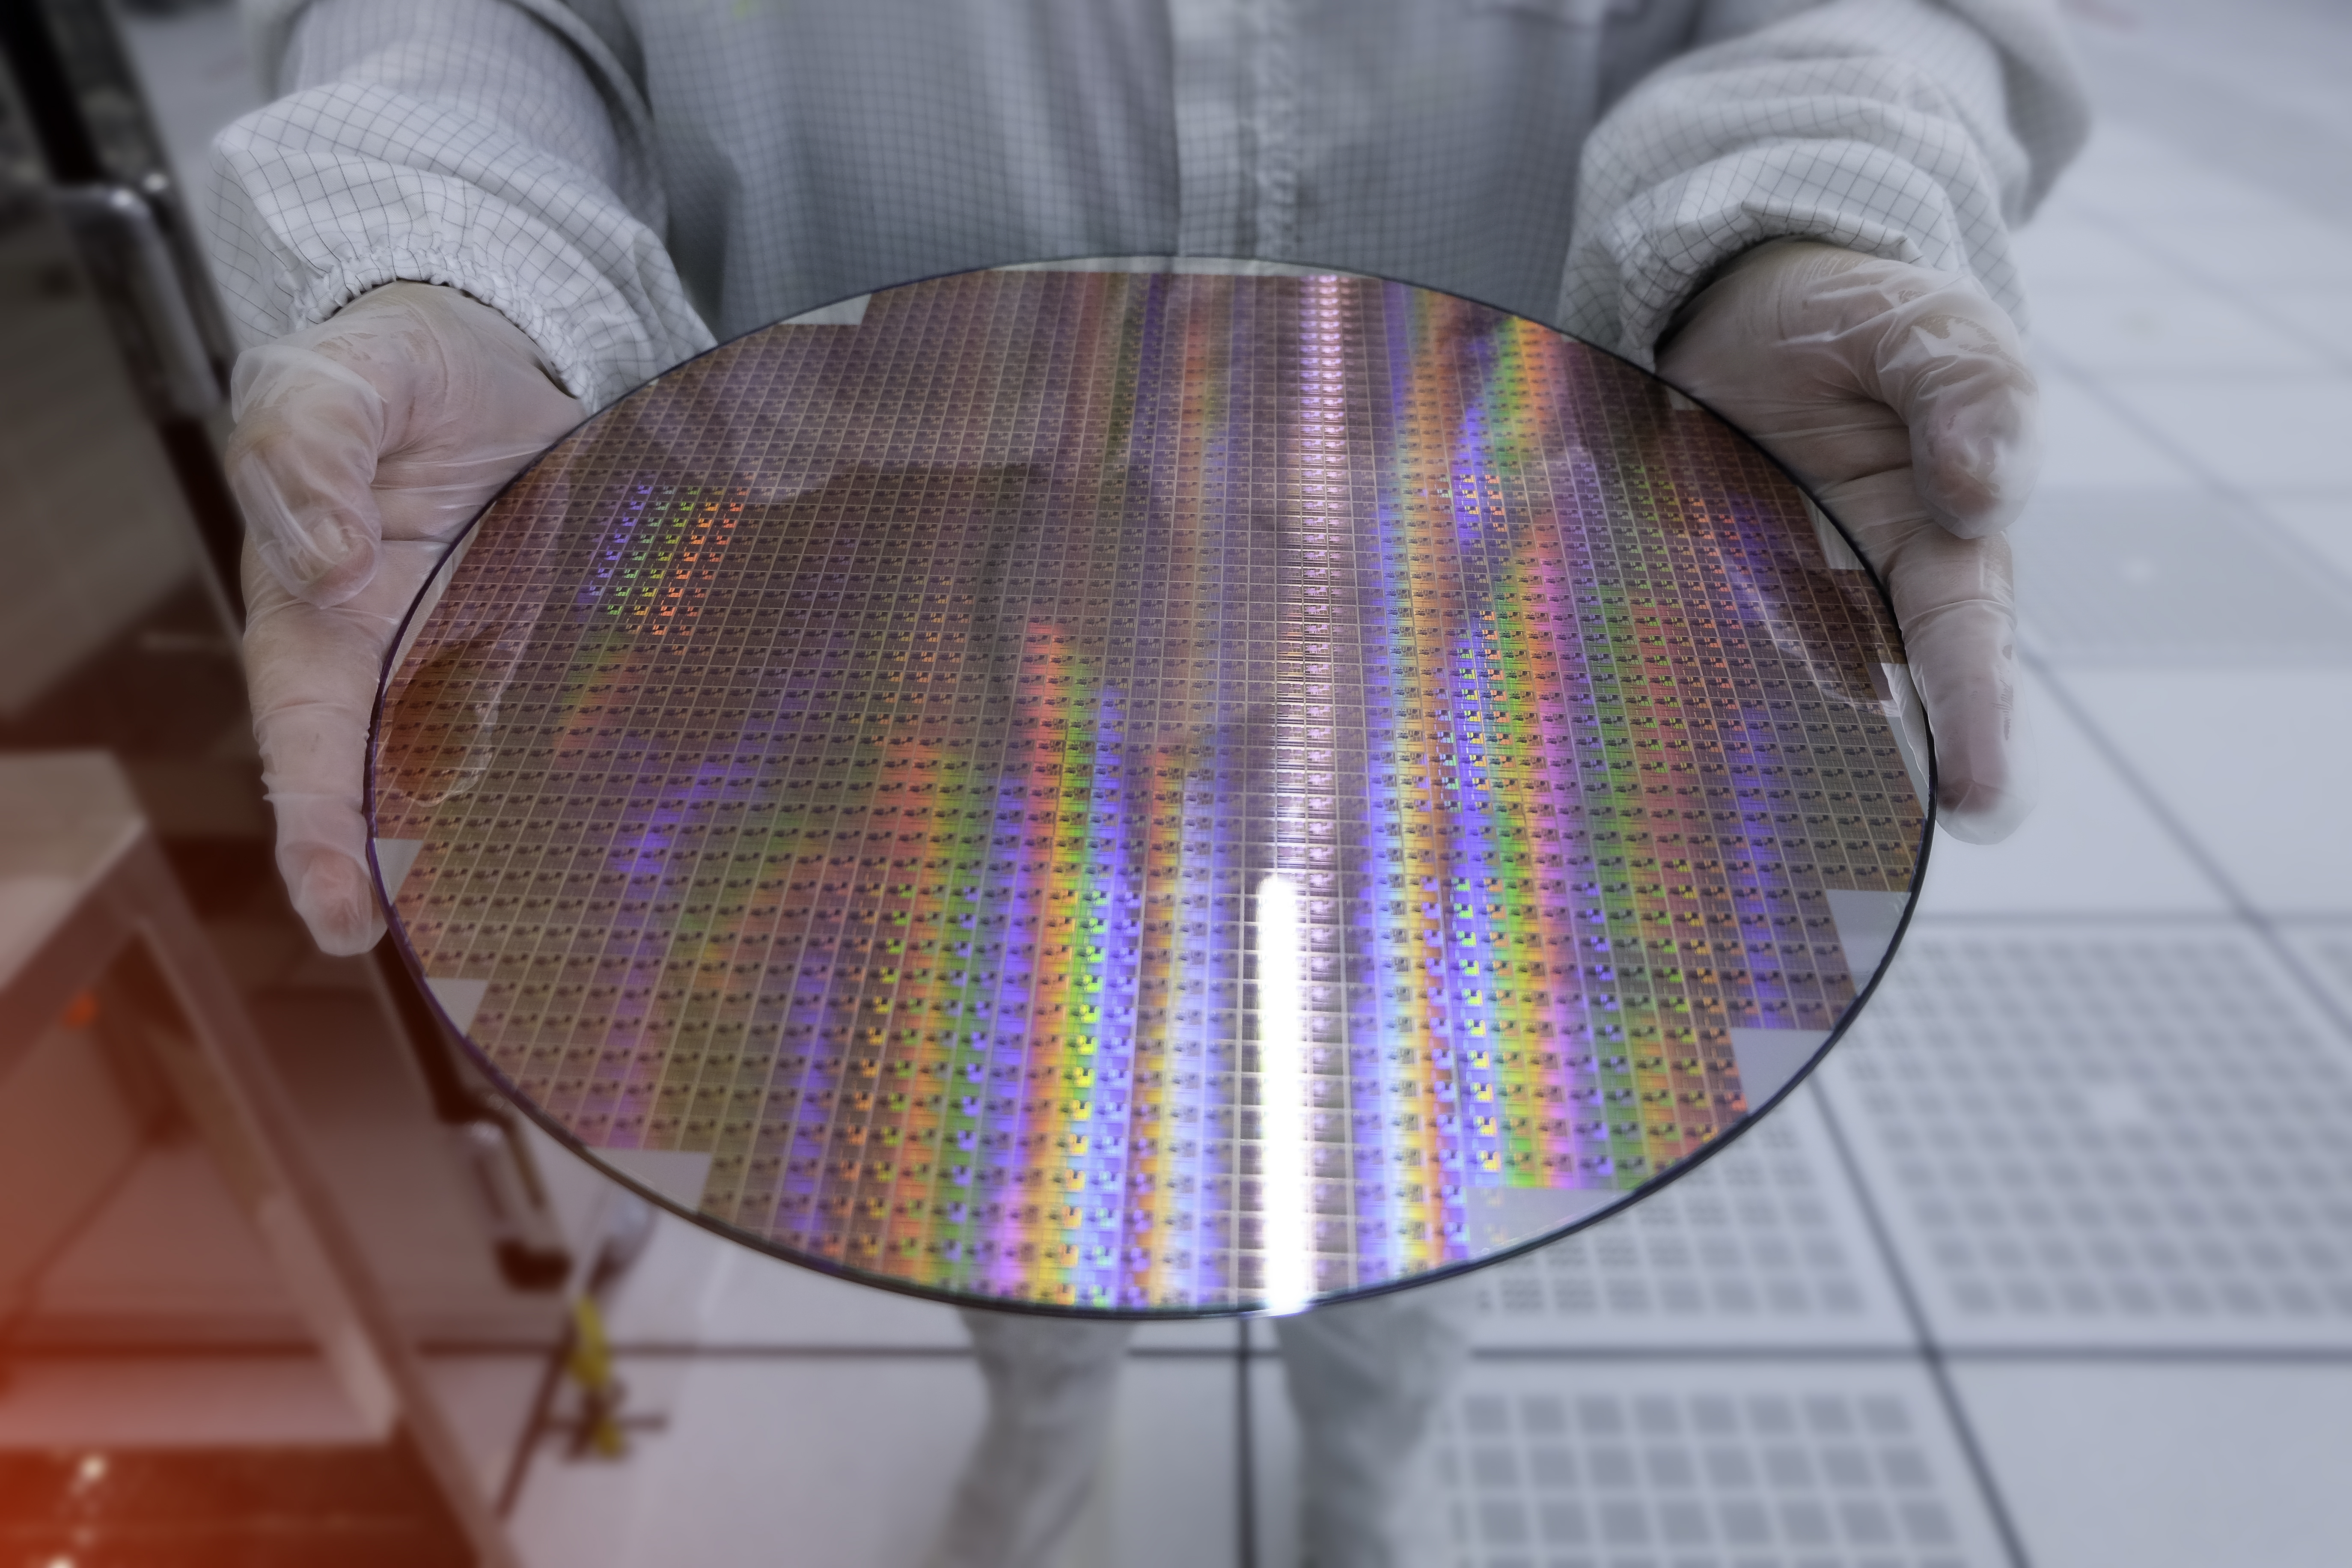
434,499
312,671
397,418
482,406
302,462
1954,600
1948,361
1952,365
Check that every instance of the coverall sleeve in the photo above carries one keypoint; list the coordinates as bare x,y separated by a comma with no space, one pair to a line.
1909,130
495,145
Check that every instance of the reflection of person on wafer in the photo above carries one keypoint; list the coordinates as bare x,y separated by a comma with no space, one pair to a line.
469,222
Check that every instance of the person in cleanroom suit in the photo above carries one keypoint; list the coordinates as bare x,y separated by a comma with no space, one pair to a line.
467,224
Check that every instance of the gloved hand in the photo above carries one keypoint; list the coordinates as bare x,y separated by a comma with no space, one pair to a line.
362,447
1901,399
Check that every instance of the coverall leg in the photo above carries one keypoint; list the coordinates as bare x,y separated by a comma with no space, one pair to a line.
1365,1378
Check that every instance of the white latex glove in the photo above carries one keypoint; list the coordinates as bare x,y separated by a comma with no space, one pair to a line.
362,447
1901,399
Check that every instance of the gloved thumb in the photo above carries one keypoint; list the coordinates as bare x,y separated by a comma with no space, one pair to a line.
1954,600
313,671
331,890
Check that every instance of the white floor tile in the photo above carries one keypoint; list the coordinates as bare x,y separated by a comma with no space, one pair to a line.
2175,579
850,1461
666,1296
2149,205
2059,249
2252,762
2321,314
576,1514
2224,229
847,1463
1198,1336
2123,168
2255,433
2249,252
489,1400
2325,949
1764,1244
2083,1137
2089,845
2287,62
1171,1479
2323,522
2087,446
1273,1467
2168,1466
1599,1464
2104,327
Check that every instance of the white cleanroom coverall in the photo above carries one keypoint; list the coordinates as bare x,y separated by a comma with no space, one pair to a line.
617,182
624,178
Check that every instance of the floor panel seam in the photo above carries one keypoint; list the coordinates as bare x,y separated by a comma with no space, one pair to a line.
2246,911
1928,1352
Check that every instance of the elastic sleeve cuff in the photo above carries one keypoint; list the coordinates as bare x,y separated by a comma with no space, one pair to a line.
346,279
1659,249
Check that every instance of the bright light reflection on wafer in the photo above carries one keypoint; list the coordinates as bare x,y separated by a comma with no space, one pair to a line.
1281,1084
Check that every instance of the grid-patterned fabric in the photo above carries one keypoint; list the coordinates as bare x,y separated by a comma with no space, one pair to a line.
613,175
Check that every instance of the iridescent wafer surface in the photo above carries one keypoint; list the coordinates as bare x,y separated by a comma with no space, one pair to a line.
1141,792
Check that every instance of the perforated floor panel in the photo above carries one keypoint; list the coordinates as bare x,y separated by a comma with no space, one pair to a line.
1144,792
2120,1137
1742,1468
1648,1463
2132,578
1764,1244
2328,948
